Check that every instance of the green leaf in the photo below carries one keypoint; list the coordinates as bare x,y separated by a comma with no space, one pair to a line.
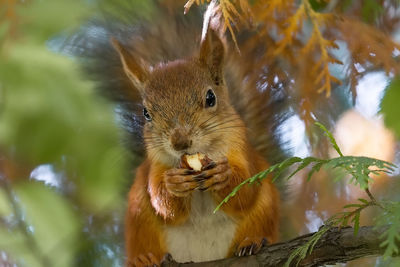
344,220
5,207
352,206
305,162
363,201
356,221
317,5
371,9
358,168
15,244
52,226
391,237
60,121
284,165
55,226
316,168
46,18
330,137
304,250
390,106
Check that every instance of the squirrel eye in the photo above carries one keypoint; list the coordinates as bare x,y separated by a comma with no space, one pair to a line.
210,98
146,114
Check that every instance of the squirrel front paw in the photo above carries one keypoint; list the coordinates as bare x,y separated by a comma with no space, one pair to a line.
215,177
180,182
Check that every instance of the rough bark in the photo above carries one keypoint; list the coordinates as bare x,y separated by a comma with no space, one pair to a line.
335,246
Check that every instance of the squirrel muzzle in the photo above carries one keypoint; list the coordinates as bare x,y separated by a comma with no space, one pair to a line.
180,139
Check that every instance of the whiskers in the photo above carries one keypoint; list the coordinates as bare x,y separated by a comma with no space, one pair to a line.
153,142
205,134
215,125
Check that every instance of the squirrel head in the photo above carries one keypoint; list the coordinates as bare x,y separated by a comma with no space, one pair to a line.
185,103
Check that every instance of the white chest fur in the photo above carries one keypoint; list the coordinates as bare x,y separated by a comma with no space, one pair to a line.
204,236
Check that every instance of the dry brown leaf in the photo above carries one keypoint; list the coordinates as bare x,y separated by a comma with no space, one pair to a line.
369,45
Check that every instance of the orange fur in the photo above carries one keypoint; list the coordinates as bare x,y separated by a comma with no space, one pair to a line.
172,209
150,207
175,97
142,226
256,207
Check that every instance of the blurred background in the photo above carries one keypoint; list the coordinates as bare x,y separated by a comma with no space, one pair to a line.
65,162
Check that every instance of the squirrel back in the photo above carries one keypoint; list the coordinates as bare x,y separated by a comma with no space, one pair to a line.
166,36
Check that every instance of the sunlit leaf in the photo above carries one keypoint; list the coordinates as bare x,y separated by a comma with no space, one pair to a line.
390,108
330,137
45,18
46,228
5,207
60,121
14,243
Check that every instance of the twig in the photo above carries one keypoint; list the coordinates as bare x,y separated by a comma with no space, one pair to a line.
373,200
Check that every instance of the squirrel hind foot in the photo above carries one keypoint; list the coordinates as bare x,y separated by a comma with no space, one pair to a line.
250,246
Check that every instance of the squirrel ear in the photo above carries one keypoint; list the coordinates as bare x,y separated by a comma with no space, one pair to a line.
135,72
212,54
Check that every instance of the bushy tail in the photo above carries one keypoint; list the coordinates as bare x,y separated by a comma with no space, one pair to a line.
256,94
166,34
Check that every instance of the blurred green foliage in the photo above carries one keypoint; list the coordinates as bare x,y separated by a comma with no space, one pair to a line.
371,10
318,5
45,18
50,115
66,122
53,229
390,106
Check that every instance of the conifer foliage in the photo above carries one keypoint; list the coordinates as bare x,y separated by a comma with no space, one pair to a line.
304,34
64,171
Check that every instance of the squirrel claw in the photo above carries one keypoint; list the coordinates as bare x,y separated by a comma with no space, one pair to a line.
215,177
179,182
167,258
211,165
250,246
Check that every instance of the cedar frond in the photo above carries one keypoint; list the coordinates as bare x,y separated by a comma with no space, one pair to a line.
230,13
189,4
315,42
244,6
324,78
265,9
370,49
279,25
354,76
228,10
369,45
295,24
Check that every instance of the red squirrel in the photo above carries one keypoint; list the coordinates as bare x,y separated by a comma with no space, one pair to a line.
188,109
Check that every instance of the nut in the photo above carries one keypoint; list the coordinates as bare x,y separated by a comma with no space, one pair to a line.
195,161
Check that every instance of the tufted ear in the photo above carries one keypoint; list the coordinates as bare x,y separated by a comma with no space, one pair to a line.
212,54
136,73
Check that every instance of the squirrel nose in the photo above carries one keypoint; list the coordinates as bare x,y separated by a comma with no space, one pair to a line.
180,139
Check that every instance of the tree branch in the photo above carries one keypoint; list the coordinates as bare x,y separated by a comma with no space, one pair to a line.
335,246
